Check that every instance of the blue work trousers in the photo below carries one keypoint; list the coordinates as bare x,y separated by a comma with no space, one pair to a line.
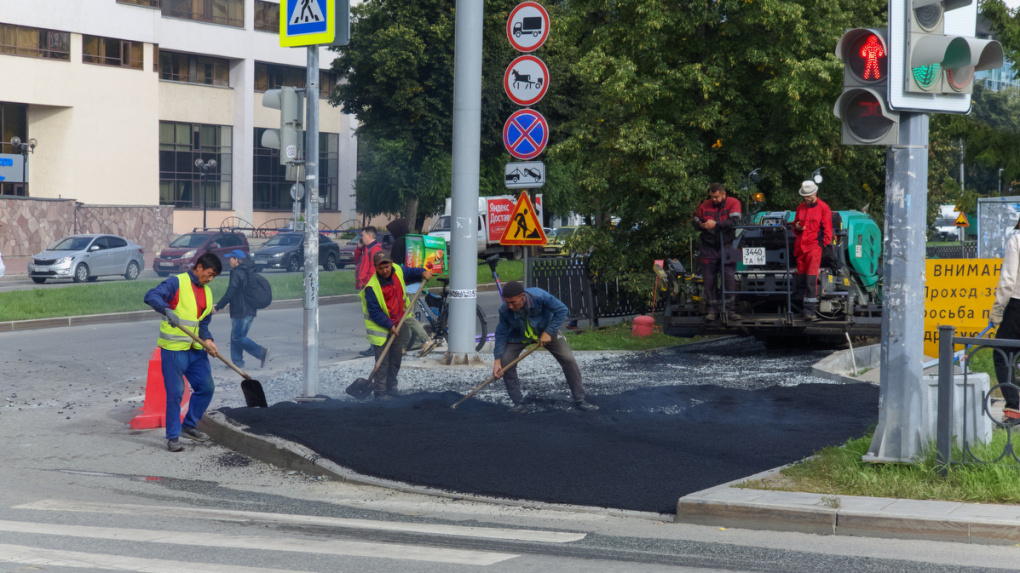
193,365
239,341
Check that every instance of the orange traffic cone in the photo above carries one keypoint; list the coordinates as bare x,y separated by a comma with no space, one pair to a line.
153,410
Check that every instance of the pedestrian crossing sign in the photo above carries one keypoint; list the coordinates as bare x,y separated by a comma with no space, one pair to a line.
524,228
314,23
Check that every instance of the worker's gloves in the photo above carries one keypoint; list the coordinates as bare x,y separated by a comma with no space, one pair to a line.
175,321
995,316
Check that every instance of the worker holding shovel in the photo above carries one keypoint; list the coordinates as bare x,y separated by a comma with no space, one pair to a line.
383,305
186,301
533,316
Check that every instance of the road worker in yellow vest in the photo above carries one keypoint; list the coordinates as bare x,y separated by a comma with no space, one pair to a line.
383,303
186,301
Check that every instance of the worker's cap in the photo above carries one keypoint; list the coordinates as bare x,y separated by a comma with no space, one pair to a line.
512,289
381,257
808,188
236,254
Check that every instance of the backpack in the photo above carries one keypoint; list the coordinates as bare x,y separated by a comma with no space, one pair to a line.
258,293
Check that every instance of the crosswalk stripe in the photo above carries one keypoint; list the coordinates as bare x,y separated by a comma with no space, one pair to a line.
330,547
252,516
21,555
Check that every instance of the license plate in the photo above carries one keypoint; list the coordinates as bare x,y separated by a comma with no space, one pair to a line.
166,264
754,256
260,261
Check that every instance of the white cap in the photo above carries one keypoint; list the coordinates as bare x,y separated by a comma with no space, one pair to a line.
808,188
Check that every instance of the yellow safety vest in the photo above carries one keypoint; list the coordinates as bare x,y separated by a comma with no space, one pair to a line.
187,310
377,334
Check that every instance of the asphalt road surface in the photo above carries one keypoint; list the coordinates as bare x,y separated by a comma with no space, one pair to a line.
671,422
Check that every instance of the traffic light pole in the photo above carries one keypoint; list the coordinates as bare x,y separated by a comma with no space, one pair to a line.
902,399
467,128
311,268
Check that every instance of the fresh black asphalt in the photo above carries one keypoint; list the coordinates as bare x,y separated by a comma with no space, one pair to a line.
644,449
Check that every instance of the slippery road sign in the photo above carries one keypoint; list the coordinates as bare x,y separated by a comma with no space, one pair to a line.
526,80
524,228
525,134
527,27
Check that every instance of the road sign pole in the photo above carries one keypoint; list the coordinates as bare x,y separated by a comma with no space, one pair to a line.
467,128
899,436
311,269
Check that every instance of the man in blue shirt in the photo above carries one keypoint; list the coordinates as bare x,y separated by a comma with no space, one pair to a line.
532,316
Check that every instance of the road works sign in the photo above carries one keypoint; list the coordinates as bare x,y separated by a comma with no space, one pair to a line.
526,80
525,134
524,228
314,23
527,27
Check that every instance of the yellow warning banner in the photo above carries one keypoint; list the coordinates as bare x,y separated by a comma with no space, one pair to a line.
959,293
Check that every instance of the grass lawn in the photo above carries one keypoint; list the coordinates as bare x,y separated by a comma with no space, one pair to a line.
123,296
838,470
618,337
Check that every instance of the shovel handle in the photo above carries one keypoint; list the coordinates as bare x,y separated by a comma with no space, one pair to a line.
218,354
391,338
513,363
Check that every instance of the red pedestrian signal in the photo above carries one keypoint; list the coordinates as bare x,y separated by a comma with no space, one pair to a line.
866,117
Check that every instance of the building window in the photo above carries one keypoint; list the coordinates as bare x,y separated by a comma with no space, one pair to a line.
267,16
34,42
180,183
271,188
226,12
146,3
112,52
272,76
178,67
13,122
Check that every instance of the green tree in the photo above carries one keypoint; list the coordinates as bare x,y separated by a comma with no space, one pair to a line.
675,96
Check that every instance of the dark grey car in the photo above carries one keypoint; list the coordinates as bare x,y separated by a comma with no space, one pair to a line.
86,258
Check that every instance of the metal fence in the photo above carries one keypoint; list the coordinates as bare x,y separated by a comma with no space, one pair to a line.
1007,352
570,280
966,250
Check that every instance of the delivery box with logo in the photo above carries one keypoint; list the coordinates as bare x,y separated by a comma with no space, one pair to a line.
428,253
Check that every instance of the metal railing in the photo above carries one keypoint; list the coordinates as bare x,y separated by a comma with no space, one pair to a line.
1009,352
967,250
571,281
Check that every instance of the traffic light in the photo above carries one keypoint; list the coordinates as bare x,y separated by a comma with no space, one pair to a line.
862,107
289,139
936,55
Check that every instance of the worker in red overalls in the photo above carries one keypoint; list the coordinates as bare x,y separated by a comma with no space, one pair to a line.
813,227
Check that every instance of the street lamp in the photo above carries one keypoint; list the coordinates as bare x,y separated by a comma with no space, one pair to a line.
203,168
24,148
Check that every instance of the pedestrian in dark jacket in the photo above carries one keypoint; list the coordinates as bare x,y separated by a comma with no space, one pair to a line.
530,316
716,218
242,312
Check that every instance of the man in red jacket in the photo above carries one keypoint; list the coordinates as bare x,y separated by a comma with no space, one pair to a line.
813,227
716,218
364,268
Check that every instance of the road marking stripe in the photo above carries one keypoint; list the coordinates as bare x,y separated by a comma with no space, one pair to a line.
23,555
254,516
331,547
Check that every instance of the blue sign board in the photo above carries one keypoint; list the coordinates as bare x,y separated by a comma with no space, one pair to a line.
12,168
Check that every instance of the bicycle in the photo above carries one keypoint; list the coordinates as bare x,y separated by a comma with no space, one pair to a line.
432,311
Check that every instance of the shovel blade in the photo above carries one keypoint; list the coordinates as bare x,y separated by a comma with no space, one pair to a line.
360,388
254,396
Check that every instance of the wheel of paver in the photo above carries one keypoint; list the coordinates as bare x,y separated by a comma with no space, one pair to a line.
330,262
38,280
293,264
132,271
81,273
